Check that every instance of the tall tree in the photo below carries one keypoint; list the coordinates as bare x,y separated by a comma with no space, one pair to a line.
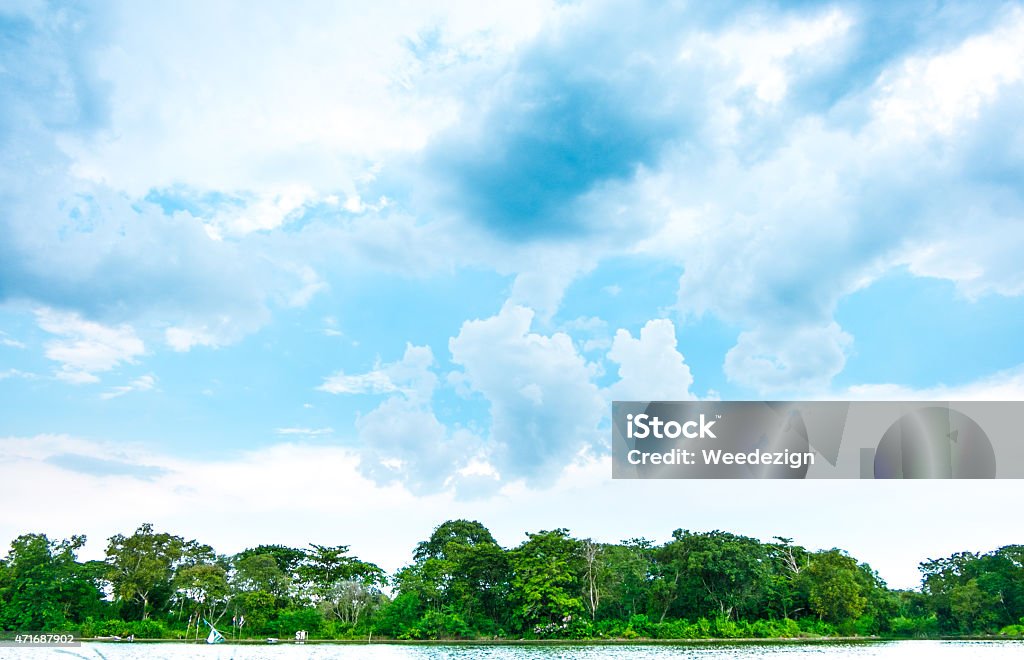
204,590
595,575
466,570
836,591
43,586
545,573
261,573
342,585
628,577
143,564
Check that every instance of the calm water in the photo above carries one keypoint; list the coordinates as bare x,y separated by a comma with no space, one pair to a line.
885,650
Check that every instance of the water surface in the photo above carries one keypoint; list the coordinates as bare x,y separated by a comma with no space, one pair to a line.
932,650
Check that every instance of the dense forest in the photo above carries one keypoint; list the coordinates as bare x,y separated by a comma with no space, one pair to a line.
461,584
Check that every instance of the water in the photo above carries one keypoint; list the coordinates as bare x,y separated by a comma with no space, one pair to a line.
932,650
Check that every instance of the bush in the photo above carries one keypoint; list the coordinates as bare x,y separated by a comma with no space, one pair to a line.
675,629
288,622
441,625
921,626
726,628
816,627
397,618
148,629
640,625
608,628
866,625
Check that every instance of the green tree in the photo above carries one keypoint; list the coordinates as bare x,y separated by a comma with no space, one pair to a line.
258,608
465,533
835,590
261,573
783,596
715,573
203,588
732,570
288,559
142,565
344,587
43,586
626,579
464,572
545,570
976,592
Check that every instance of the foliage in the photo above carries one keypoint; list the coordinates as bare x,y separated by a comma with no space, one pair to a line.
43,586
461,584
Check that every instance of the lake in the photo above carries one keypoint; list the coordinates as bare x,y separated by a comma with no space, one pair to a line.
932,650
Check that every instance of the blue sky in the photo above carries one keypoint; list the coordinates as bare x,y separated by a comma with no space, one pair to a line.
329,265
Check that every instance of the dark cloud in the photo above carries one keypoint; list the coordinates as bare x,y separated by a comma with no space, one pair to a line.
588,103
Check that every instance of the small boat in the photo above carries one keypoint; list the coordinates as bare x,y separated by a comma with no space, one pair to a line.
214,637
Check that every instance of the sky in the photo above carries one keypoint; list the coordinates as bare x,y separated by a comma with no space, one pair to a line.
336,272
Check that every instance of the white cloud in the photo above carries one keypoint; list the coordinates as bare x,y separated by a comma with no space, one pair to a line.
15,373
544,405
184,339
140,384
785,214
546,274
291,430
77,238
329,91
401,439
411,376
766,51
10,343
937,93
651,368
372,382
318,483
1005,385
802,359
87,347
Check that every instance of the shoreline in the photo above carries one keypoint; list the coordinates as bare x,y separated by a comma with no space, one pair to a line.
719,641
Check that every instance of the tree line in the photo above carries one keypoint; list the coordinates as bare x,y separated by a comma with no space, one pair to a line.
461,584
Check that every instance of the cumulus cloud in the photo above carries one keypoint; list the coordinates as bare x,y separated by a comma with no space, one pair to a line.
651,368
906,172
545,408
402,439
544,405
781,175
788,359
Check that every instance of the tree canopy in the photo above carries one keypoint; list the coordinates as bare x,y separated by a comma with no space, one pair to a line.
461,583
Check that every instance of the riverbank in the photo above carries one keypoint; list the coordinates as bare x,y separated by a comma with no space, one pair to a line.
745,641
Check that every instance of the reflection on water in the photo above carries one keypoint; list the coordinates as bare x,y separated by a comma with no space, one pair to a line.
887,650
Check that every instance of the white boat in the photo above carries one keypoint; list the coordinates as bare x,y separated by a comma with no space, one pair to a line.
214,637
